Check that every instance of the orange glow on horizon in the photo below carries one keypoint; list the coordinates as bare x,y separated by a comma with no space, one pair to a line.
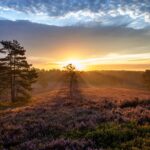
108,62
78,65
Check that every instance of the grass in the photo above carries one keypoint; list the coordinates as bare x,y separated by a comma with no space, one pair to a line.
125,136
51,124
115,136
10,105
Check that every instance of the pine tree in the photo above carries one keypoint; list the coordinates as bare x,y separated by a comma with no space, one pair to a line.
3,72
71,75
20,75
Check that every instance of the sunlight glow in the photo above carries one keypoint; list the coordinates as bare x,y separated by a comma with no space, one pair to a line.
111,61
78,65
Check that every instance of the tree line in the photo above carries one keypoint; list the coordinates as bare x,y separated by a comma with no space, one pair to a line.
146,77
16,74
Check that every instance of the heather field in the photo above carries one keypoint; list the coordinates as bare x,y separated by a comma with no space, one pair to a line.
91,118
74,74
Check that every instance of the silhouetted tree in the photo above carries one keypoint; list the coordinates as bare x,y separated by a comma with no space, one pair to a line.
18,73
146,77
3,72
71,73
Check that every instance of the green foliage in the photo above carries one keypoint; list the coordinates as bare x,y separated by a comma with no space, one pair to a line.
115,136
111,136
3,77
18,74
134,103
136,144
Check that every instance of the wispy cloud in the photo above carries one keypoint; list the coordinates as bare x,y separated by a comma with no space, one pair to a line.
132,13
116,60
113,58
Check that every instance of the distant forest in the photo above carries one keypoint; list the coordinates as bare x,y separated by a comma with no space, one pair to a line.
124,79
19,78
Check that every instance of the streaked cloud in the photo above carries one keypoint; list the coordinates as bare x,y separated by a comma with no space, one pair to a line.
127,61
49,41
142,58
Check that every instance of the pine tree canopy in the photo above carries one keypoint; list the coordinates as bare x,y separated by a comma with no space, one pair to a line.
15,72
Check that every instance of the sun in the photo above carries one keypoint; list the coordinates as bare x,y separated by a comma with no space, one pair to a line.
78,65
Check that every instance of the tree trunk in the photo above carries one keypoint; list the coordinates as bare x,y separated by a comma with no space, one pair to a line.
12,68
71,87
12,89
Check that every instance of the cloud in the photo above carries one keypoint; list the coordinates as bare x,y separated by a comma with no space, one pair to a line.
131,13
139,61
45,40
114,58
43,62
94,45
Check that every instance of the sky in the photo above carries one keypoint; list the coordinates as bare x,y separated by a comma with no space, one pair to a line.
92,34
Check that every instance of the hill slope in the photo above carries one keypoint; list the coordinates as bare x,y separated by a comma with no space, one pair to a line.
91,118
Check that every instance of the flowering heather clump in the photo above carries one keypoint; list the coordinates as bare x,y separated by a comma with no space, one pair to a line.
54,121
57,144
136,102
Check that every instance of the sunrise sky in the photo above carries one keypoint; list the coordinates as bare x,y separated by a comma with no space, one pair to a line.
92,34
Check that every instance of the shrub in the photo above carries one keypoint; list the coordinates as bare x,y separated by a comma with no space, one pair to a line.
134,103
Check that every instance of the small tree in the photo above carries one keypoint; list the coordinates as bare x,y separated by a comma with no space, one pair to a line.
146,77
20,75
71,73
